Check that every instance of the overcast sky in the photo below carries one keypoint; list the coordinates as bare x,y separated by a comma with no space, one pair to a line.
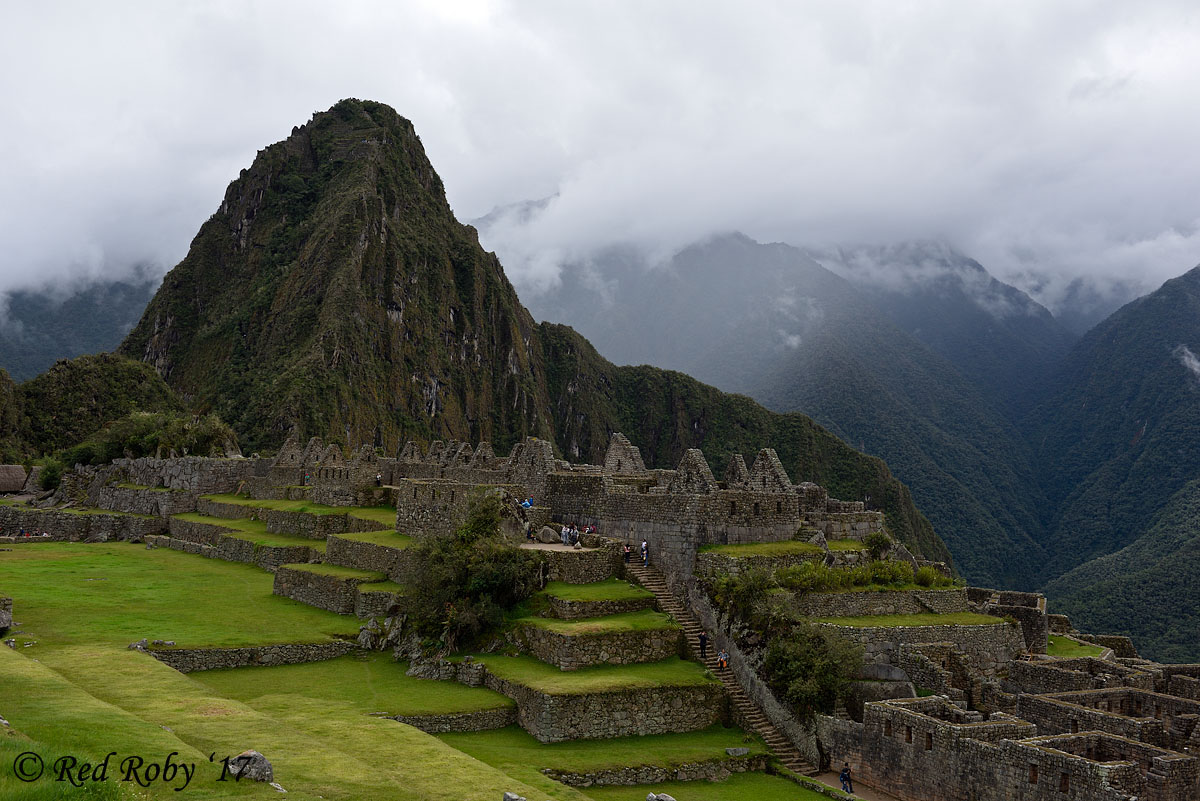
1050,140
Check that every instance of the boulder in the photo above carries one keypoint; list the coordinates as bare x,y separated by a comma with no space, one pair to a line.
548,535
737,752
513,797
140,645
251,765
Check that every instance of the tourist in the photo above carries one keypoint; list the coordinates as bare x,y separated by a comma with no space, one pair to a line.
529,532
703,646
847,779
628,552
527,503
564,534
722,660
645,554
379,479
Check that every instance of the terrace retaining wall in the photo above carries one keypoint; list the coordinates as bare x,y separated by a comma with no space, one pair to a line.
77,527
571,652
713,770
190,660
483,720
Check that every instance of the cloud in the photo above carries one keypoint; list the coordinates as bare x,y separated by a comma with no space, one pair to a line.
1051,141
1188,359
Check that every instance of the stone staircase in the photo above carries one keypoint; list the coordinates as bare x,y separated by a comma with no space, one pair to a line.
787,753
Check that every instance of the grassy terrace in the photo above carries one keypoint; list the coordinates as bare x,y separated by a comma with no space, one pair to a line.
115,593
929,619
526,670
384,515
372,682
1067,648
643,620
845,545
255,531
381,586
79,691
389,537
608,590
783,548
516,752
336,570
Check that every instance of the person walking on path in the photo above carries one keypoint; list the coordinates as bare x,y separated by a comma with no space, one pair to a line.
628,552
722,660
847,779
645,554
703,646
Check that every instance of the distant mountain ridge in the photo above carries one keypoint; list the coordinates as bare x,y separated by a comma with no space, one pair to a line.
39,327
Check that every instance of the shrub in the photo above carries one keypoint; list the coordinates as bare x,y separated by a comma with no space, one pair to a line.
51,475
878,543
142,433
459,588
811,669
816,577
740,595
928,577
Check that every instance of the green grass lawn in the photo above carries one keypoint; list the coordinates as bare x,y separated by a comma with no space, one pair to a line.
381,586
372,682
115,593
926,619
845,545
673,672
245,524
389,537
79,691
612,589
517,753
1067,648
739,787
784,548
380,514
642,620
337,570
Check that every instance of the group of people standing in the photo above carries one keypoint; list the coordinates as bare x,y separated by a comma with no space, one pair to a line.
645,552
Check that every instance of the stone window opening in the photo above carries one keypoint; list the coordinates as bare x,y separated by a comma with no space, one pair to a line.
908,734
1033,777
451,496
757,510
887,728
928,741
778,507
414,493
733,507
1064,783
1074,726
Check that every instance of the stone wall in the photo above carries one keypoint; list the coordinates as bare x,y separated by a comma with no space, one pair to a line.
6,617
571,652
719,564
713,770
924,750
190,473
1067,675
583,566
564,609
438,507
990,647
334,593
621,713
861,604
1148,717
153,502
483,720
315,527
1121,646
360,555
76,527
196,531
373,603
189,660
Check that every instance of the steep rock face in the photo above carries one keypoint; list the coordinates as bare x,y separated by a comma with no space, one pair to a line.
333,288
10,417
334,291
